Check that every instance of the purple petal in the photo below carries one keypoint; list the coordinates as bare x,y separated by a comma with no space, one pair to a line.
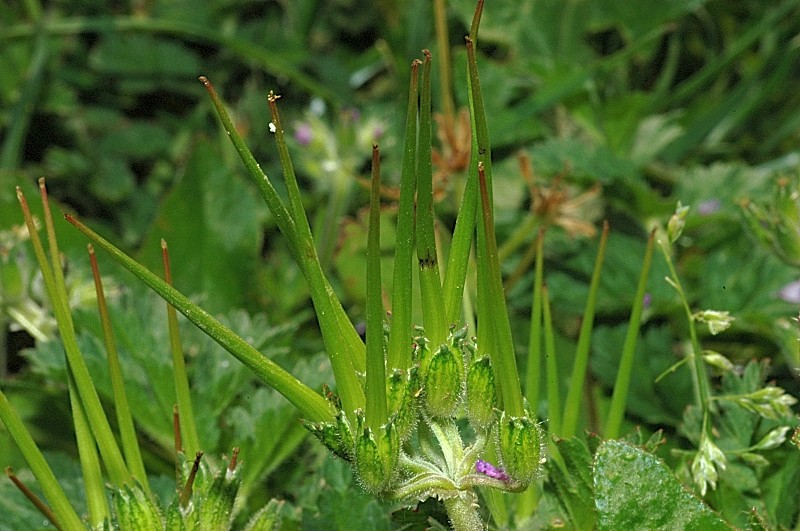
488,469
790,292
709,206
303,134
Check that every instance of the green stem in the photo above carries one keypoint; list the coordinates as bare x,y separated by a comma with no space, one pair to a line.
575,394
344,347
53,277
376,407
63,510
533,375
553,393
313,406
616,410
189,437
702,390
92,475
400,333
462,512
127,431
343,344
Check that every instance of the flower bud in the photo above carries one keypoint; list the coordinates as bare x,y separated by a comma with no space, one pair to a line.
444,382
481,395
717,321
521,447
677,222
377,455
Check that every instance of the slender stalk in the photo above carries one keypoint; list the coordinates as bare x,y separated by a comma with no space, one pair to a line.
483,158
619,397
700,378
127,431
56,291
191,442
433,316
33,498
528,500
376,408
575,394
398,355
93,484
312,405
553,392
502,351
533,375
344,347
458,258
65,514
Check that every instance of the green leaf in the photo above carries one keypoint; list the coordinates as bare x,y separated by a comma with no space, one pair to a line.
144,55
573,483
636,490
211,222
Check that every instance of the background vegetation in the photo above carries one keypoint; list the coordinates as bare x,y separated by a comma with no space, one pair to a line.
597,110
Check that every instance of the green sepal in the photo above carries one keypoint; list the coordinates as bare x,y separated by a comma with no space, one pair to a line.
481,393
336,436
521,445
135,510
403,390
267,518
377,456
444,382
174,518
422,354
215,508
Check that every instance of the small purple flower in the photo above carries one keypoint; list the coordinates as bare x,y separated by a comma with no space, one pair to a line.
709,206
790,292
647,300
488,469
303,134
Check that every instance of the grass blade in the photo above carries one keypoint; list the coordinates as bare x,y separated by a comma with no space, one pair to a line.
575,393
621,385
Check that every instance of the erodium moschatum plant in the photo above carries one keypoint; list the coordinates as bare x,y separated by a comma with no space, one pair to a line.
420,410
